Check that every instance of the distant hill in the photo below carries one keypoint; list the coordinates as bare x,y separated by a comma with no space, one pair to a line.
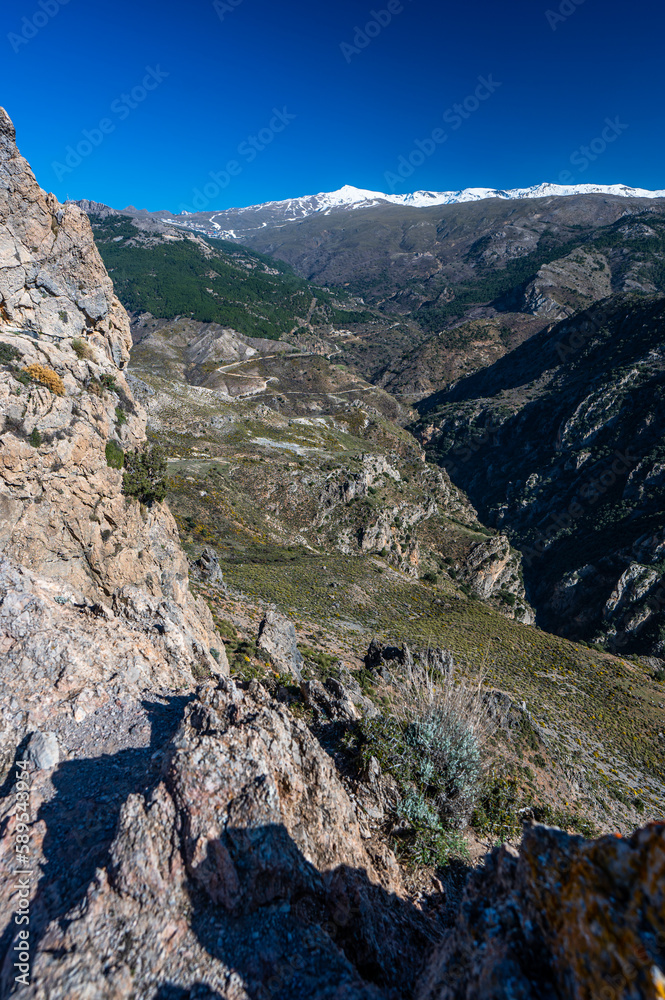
175,274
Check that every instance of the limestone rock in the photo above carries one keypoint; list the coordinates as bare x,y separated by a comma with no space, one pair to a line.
74,551
277,639
492,566
52,279
208,567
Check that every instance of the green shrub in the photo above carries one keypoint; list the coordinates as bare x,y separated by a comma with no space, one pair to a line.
427,842
35,438
8,354
496,814
430,577
115,456
109,382
324,664
435,753
120,416
145,475
448,753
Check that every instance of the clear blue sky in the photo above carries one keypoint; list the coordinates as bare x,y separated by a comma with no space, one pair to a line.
356,112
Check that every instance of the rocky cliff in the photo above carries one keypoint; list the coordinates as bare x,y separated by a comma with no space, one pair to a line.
94,593
559,444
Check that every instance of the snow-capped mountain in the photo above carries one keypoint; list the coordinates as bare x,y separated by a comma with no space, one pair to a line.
236,223
352,197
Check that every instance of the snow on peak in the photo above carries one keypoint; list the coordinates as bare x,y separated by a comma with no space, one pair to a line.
353,197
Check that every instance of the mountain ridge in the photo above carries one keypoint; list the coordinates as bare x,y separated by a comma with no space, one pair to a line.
350,196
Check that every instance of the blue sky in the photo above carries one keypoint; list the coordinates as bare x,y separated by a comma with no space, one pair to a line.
278,100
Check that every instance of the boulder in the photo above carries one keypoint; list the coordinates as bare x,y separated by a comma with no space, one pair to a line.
208,567
330,701
277,639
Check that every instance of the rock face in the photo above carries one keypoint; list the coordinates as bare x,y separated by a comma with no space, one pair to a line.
277,638
52,278
93,586
558,445
207,565
491,568
570,283
244,870
567,918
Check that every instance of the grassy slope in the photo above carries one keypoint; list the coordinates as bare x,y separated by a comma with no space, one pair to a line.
599,716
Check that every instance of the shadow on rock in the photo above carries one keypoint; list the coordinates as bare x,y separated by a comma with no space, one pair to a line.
168,991
80,820
292,932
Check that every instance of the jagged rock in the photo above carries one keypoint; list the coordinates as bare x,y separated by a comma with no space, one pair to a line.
43,750
74,551
379,655
567,918
208,567
354,692
277,639
389,661
243,870
493,566
52,279
331,701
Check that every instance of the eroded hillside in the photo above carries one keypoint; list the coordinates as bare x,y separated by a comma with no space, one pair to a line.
263,757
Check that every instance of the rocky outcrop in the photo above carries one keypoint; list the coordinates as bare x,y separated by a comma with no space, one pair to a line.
238,865
492,568
567,918
94,590
568,284
277,639
245,868
52,279
208,568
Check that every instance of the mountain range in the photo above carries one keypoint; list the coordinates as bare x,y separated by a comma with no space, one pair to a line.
238,223
332,629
